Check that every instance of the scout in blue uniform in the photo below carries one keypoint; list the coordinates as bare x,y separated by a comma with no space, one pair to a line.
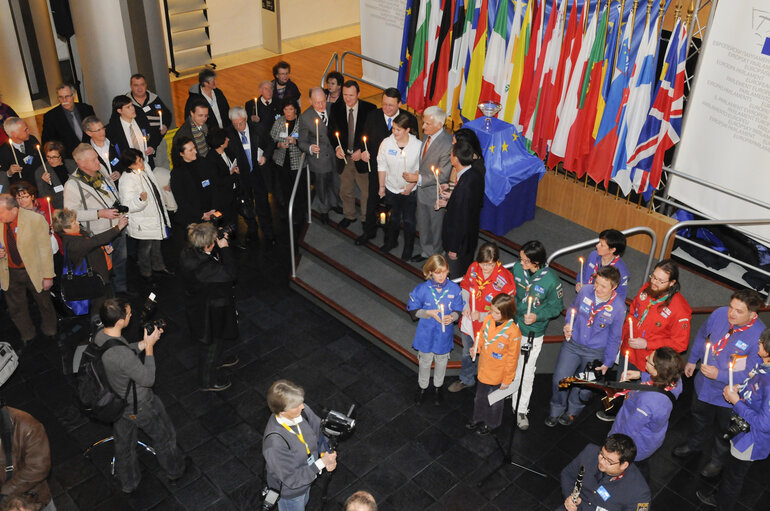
611,481
436,302
731,333
593,335
750,400
609,250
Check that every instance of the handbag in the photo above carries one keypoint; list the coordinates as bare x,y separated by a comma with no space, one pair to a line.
244,200
82,283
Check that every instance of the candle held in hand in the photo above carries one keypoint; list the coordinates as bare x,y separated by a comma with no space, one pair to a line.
476,346
473,300
706,354
42,160
730,375
366,149
630,328
572,321
339,144
383,218
13,150
318,154
50,212
441,308
529,305
625,368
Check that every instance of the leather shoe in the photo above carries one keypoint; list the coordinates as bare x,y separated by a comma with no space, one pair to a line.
483,430
457,386
604,416
683,451
345,223
217,387
706,499
229,362
361,240
420,397
387,247
711,470
551,421
473,425
418,258
439,395
324,218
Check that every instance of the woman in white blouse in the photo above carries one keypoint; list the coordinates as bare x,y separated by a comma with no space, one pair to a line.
399,154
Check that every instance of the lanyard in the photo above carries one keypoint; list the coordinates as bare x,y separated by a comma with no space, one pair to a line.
649,305
298,435
719,346
594,312
599,267
486,332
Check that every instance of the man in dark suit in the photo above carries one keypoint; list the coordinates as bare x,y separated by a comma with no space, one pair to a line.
267,110
129,128
206,88
315,142
347,120
377,129
63,123
26,160
460,232
195,125
252,148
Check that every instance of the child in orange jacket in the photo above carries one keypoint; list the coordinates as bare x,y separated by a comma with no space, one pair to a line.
497,343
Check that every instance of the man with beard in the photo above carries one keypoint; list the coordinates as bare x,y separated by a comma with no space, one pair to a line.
659,316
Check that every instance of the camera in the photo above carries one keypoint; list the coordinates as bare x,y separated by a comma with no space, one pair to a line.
223,229
120,207
149,326
737,425
337,424
591,371
269,498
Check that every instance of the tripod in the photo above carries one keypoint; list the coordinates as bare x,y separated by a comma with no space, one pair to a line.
526,348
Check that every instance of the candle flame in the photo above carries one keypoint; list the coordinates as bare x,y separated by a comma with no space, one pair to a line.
316,121
626,352
38,147
48,199
364,138
336,133
580,259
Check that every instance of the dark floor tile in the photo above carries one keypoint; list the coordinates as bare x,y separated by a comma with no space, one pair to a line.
209,455
386,478
229,475
435,480
462,497
220,419
410,459
148,494
91,492
248,496
74,471
201,495
409,497
191,434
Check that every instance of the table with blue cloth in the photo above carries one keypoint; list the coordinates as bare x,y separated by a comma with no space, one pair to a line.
510,183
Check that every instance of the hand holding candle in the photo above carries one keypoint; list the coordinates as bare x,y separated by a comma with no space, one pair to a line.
317,155
571,322
436,173
50,212
42,160
441,310
706,354
339,144
366,149
730,375
529,305
625,368
13,150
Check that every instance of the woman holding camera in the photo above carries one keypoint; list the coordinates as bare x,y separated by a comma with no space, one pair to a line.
208,271
290,446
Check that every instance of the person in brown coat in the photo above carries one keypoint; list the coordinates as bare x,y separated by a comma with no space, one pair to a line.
31,456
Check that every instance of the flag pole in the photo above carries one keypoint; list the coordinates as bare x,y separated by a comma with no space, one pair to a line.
652,202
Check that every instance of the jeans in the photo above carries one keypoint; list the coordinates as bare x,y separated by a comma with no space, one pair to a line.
151,418
572,359
468,370
119,256
295,504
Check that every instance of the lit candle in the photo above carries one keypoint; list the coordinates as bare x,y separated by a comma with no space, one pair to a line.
316,140
625,368
160,117
476,346
255,105
730,375
286,124
383,217
369,163
571,322
339,144
42,160
630,328
50,213
13,150
441,308
145,144
706,354
581,270
529,305
141,181
436,173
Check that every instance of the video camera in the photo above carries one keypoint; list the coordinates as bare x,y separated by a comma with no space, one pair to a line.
223,228
591,371
148,310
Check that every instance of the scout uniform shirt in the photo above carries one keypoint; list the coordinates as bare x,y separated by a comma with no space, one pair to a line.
597,326
482,290
429,338
594,264
545,289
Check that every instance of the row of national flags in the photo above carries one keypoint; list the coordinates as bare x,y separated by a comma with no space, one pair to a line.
576,77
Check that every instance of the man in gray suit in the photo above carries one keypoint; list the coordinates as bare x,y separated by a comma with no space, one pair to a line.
435,152
314,141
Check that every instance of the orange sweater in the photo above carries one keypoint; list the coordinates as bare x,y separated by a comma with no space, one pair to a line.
498,359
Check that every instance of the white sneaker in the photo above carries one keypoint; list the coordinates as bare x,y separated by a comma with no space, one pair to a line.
522,421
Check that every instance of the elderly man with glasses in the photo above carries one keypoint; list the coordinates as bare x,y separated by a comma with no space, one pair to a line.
64,122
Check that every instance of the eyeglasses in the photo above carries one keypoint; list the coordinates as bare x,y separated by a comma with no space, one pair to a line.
66,96
653,278
607,460
649,361
50,157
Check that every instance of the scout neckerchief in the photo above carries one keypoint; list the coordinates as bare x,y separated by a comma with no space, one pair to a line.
649,306
719,346
298,435
760,368
600,266
481,282
594,312
486,332
437,299
540,274
96,182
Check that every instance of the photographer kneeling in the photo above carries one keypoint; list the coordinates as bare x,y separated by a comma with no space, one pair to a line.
290,446
209,272
749,431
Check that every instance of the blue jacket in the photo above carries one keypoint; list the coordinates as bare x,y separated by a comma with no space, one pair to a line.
429,338
594,263
607,328
644,417
754,406
743,344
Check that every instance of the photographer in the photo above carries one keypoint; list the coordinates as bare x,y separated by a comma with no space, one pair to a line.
290,446
208,271
750,441
123,367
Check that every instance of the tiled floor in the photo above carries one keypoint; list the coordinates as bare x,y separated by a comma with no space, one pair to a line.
410,458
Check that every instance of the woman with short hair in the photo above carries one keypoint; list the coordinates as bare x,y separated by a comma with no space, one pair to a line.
50,177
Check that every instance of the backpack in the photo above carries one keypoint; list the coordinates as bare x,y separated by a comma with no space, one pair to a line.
99,401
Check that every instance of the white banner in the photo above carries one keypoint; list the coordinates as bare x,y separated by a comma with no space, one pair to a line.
382,27
726,137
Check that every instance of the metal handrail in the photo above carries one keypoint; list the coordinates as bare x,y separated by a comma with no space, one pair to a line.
717,252
628,232
713,186
336,59
302,166
368,59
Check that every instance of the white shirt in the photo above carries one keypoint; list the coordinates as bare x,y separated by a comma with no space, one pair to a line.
461,172
133,126
214,107
395,161
104,153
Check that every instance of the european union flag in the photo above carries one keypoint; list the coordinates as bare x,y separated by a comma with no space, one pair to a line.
766,47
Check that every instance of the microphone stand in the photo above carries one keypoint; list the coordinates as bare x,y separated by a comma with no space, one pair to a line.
526,348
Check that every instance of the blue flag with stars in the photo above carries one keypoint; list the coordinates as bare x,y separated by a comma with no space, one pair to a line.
403,63
506,158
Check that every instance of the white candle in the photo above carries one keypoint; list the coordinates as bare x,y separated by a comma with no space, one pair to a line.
42,160
730,374
572,321
436,173
366,149
50,213
625,368
706,354
145,144
476,346
141,181
13,150
316,140
581,270
529,305
630,328
441,308
383,218
339,144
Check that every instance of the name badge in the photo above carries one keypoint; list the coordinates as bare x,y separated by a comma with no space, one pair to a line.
295,134
58,188
741,345
500,345
497,356
310,459
392,152
205,183
157,106
114,161
146,108
27,159
603,493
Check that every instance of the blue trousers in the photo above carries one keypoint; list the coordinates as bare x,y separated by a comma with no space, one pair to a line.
468,370
295,504
572,359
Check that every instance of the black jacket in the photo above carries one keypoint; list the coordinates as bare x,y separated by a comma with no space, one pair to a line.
267,113
460,232
78,247
57,127
258,139
222,186
193,194
118,138
222,104
27,169
339,122
376,130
